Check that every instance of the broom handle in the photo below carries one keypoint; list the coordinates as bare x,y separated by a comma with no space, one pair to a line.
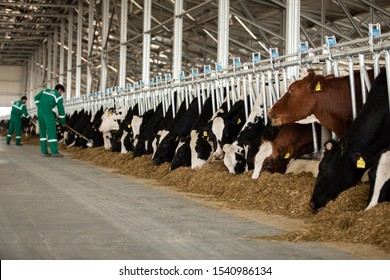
78,133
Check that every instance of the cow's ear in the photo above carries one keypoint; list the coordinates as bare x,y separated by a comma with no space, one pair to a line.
329,146
317,84
359,160
289,153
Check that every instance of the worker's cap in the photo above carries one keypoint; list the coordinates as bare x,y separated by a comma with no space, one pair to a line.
23,97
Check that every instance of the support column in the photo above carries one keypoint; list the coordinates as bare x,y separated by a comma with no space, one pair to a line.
104,57
123,47
146,41
223,33
79,49
31,88
293,16
69,64
49,61
91,31
62,53
39,64
177,39
55,58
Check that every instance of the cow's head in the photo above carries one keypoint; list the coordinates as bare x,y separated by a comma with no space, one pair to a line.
166,149
339,170
201,148
69,139
111,119
299,101
234,158
182,154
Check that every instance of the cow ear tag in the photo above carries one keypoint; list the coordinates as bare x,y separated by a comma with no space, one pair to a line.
287,155
205,133
361,163
238,121
129,125
177,138
318,86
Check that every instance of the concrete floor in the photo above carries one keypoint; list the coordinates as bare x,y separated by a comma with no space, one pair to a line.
59,208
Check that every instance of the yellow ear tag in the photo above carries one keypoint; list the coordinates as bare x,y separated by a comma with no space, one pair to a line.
129,126
109,113
287,155
361,163
177,138
205,133
318,86
238,120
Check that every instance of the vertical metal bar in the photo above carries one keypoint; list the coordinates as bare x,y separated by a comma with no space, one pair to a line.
364,80
271,90
387,61
315,138
277,84
91,15
212,92
123,46
69,64
285,83
49,61
223,32
375,57
352,86
104,56
177,38
146,41
78,48
263,92
62,52
244,96
200,102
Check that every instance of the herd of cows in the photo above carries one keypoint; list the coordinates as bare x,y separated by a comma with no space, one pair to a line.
192,138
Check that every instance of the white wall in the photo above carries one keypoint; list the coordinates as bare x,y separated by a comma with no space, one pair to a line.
12,84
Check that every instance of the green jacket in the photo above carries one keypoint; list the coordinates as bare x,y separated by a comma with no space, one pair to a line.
19,109
47,99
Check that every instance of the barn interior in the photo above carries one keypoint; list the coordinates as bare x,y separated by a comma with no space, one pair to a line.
112,53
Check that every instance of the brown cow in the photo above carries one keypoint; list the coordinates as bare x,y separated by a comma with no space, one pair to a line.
292,141
326,98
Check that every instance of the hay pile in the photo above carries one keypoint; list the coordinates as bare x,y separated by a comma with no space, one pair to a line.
287,195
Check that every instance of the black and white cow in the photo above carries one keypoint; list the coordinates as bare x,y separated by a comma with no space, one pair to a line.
179,127
379,176
127,138
345,161
225,129
235,158
111,120
143,141
78,121
162,129
201,144
91,131
183,152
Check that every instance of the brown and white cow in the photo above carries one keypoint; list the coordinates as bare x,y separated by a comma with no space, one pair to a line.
324,99
292,141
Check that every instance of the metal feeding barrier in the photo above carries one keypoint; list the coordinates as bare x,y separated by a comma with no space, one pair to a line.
267,79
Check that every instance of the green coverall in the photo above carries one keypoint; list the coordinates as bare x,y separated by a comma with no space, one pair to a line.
15,122
46,100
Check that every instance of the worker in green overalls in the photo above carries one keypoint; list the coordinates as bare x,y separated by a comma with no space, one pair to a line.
15,123
46,100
